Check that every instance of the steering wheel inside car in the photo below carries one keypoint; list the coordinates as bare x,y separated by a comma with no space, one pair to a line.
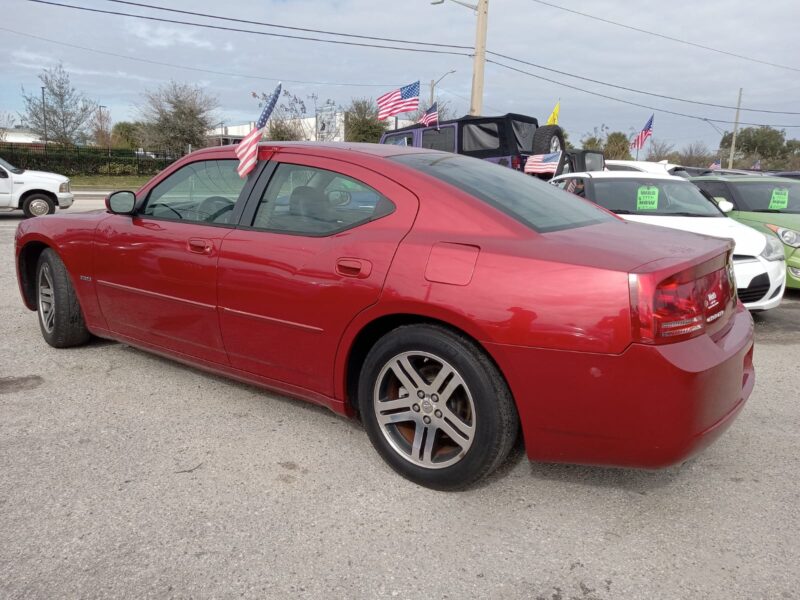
213,207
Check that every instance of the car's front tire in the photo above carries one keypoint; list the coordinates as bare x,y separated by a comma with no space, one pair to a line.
37,205
60,317
436,407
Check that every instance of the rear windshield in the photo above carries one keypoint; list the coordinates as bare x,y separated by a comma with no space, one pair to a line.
527,199
643,196
768,196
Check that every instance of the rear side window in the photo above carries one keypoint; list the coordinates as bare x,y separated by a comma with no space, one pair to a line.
443,139
527,199
400,139
523,135
480,137
305,200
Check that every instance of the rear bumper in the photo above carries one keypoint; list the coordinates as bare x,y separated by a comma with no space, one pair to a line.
649,407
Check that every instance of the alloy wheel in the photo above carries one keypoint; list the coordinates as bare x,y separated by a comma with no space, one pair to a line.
47,312
424,409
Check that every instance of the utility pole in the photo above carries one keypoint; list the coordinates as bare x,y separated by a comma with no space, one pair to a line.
735,130
44,118
476,100
479,62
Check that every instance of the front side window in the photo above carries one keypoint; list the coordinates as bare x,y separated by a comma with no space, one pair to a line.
305,200
645,196
443,139
10,167
529,200
201,192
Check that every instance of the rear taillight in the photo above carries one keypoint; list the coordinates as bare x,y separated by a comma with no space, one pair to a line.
682,306
516,162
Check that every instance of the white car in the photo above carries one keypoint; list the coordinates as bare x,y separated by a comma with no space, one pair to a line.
644,166
35,193
758,260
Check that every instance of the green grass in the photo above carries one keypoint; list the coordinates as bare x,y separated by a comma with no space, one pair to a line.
109,182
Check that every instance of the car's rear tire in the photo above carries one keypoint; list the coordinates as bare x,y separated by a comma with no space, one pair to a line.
435,407
37,205
548,139
60,317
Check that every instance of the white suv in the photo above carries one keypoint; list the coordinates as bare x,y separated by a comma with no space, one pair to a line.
759,263
36,193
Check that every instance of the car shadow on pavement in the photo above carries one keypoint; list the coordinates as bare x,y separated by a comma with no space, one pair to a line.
640,481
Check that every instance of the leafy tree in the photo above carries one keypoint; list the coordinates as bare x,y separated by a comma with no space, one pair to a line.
617,146
765,142
177,116
65,112
361,122
125,134
592,142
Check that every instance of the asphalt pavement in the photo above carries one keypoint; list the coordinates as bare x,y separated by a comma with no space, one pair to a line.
126,475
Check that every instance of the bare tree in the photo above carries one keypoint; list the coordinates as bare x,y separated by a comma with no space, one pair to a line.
64,112
100,127
695,154
287,122
443,107
177,116
7,121
659,150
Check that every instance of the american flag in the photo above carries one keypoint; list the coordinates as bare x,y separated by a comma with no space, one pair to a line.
639,140
247,150
717,164
543,163
399,101
430,116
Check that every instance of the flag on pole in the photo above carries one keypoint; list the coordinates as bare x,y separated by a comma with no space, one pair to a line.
639,140
247,150
430,116
553,118
398,101
717,164
542,163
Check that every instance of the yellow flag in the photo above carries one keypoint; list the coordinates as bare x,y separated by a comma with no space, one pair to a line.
553,118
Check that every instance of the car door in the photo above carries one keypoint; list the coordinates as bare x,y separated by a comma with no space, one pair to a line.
319,238
156,271
6,187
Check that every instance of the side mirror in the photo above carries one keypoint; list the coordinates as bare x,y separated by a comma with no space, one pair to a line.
724,205
121,203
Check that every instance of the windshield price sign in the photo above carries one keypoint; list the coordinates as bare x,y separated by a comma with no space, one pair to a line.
779,200
647,198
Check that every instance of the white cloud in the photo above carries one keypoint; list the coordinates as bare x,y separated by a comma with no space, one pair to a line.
164,36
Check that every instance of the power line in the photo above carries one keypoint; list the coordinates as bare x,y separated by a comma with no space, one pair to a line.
198,69
667,37
627,89
264,33
655,109
497,54
307,30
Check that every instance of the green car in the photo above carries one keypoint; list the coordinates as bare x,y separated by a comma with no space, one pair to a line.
769,204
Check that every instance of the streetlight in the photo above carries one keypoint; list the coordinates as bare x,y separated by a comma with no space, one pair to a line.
482,10
435,83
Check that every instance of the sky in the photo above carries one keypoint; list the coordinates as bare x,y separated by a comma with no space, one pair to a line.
522,29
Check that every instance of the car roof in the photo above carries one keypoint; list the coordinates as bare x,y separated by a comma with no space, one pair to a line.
741,179
378,150
466,119
622,175
642,164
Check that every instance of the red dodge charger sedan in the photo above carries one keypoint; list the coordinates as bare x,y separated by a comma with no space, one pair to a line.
447,302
